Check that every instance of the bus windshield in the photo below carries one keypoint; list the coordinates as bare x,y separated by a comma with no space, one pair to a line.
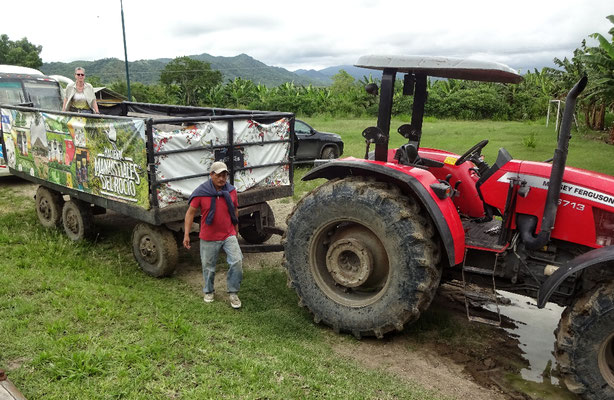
44,94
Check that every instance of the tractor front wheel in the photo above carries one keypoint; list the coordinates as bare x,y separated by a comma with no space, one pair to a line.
584,345
362,257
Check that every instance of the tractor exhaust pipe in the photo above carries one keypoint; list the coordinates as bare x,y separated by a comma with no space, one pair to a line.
556,176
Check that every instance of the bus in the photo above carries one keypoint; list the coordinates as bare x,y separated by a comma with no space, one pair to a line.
27,87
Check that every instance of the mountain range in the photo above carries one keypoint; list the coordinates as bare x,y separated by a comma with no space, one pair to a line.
110,70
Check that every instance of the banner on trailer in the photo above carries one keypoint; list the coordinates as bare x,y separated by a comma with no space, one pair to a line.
104,157
261,151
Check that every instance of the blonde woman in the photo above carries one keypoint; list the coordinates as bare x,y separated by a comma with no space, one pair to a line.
80,95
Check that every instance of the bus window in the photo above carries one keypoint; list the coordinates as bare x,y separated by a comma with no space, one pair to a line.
45,94
11,92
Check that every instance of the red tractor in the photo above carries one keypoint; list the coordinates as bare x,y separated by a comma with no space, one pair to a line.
367,250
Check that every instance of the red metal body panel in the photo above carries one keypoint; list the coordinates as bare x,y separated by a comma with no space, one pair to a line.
494,190
581,193
468,202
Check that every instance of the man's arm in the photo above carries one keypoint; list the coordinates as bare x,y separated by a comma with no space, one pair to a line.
187,227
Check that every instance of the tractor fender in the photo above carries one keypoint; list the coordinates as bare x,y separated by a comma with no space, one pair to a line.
414,181
588,259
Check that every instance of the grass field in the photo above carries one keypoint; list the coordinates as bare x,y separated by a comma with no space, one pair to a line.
586,150
80,321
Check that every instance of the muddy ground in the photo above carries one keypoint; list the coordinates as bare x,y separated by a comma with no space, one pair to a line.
491,370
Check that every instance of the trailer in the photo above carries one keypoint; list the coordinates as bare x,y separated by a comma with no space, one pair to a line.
143,161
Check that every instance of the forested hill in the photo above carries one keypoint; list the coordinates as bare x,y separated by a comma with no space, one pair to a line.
111,70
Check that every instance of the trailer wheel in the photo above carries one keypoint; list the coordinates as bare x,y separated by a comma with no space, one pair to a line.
361,256
49,207
77,219
584,346
155,249
250,233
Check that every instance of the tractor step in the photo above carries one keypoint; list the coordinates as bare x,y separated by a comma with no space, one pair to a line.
476,270
481,296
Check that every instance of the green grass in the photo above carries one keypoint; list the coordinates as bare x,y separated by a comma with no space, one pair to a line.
587,150
80,321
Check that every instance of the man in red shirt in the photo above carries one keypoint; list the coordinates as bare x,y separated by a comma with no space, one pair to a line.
219,224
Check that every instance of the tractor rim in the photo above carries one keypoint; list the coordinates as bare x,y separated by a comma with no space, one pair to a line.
349,263
148,250
606,360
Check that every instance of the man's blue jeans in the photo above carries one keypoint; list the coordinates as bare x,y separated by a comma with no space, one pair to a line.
209,251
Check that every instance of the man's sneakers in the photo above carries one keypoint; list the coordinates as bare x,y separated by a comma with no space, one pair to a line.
235,302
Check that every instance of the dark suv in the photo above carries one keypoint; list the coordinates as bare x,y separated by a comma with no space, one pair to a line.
312,144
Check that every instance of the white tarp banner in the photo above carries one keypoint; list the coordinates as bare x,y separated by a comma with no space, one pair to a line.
248,135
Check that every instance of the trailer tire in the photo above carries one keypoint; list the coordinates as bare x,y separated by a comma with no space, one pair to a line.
155,249
584,346
362,257
77,219
250,233
49,207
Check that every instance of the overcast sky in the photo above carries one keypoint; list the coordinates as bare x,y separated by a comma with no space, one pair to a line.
309,34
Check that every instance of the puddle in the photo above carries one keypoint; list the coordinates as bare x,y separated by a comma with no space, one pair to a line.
534,331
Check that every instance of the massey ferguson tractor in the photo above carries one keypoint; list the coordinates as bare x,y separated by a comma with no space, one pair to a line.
367,250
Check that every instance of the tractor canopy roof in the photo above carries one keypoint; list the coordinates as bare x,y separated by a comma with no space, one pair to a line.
443,67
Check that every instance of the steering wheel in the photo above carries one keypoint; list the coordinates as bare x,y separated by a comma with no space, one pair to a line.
472,152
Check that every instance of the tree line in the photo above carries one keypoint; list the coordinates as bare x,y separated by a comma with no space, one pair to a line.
187,81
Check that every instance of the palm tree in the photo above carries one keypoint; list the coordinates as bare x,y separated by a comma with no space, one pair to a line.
600,63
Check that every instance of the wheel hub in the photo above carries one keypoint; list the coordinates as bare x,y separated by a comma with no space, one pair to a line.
148,250
44,208
349,262
72,222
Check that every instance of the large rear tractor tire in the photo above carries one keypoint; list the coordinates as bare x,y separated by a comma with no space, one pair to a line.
155,249
49,207
362,257
77,219
250,233
584,345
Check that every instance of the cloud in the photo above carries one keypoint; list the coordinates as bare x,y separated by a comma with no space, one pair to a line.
317,34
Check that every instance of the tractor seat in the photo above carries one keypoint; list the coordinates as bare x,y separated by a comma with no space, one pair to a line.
407,154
